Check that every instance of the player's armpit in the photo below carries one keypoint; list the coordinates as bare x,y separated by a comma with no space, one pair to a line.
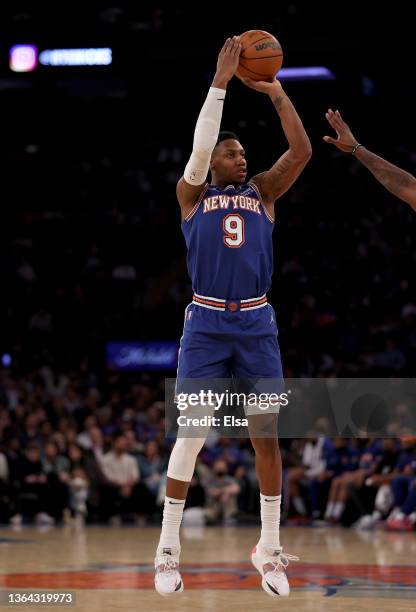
188,195
275,182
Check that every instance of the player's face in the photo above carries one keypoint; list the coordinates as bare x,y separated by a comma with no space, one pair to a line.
229,162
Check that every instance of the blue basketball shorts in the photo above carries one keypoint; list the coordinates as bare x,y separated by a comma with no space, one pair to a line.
231,343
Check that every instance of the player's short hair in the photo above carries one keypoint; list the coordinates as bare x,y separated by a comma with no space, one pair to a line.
226,136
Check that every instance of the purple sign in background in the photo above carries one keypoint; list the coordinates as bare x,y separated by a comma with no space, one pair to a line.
150,355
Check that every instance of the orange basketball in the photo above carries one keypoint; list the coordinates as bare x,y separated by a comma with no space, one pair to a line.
261,56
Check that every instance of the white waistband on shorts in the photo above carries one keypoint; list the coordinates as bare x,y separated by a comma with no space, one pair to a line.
231,305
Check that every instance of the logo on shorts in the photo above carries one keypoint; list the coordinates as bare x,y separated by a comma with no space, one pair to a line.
189,315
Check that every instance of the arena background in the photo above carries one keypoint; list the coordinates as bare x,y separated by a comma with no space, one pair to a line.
91,247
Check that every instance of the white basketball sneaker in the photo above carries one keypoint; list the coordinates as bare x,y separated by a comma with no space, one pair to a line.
271,564
168,580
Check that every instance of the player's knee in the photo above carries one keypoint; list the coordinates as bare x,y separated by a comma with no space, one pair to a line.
183,457
266,447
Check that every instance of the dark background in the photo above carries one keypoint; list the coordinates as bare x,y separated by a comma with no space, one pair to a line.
90,158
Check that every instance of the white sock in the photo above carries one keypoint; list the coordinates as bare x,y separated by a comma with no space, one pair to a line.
172,518
270,520
329,509
338,510
299,505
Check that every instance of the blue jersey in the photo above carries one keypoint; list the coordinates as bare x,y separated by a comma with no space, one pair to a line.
229,238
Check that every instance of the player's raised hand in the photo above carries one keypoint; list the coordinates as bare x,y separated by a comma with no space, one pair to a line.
266,87
227,62
345,140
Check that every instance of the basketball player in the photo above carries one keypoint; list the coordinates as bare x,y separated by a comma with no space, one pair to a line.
230,328
397,181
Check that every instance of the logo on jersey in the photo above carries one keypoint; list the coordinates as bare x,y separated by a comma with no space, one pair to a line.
231,203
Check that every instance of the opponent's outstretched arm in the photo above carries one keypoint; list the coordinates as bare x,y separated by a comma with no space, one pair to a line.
207,128
399,182
275,182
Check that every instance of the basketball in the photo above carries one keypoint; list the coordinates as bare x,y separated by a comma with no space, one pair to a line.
261,56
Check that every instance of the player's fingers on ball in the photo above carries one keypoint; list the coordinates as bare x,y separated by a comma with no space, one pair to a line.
231,46
225,45
235,44
238,49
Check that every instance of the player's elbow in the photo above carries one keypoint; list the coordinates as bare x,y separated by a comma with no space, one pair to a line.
307,151
303,153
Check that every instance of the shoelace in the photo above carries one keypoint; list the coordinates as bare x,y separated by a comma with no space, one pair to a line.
283,561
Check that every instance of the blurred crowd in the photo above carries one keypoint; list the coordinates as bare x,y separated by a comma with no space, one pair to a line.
84,448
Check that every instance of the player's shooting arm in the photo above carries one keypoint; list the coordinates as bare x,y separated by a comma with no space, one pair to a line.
394,179
193,182
275,182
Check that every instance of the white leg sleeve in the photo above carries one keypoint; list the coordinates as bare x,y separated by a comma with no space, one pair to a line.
205,137
183,457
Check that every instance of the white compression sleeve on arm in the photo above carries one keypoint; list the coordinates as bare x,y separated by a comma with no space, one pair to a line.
205,137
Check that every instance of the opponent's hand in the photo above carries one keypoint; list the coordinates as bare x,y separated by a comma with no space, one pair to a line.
227,62
345,141
270,88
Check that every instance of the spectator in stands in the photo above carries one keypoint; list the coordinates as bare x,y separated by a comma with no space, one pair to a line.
152,466
56,468
377,486
341,460
121,492
403,515
222,494
300,477
5,490
31,485
84,438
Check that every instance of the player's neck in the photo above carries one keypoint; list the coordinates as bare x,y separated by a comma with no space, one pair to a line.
224,184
